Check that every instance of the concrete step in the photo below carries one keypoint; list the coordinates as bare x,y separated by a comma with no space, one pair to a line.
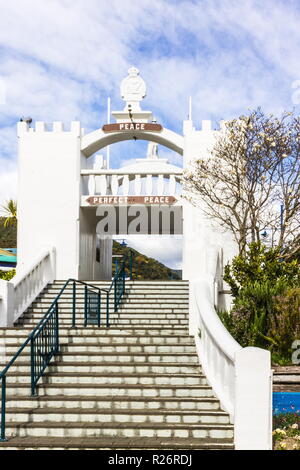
127,322
29,443
115,349
129,282
96,415
114,403
113,331
161,391
128,367
163,291
145,311
104,339
71,430
128,299
138,297
102,357
76,377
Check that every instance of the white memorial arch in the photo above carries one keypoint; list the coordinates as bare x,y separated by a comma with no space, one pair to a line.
57,177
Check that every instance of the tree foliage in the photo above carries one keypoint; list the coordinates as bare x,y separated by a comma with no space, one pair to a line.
7,275
260,264
266,300
10,211
253,169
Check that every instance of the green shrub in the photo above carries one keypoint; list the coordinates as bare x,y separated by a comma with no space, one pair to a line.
266,301
7,275
260,264
284,326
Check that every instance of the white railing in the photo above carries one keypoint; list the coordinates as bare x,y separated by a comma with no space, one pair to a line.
240,377
106,182
17,295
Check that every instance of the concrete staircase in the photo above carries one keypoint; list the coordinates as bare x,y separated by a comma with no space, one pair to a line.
136,385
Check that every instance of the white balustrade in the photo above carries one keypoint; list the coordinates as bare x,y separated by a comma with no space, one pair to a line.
125,185
92,184
137,185
149,185
17,294
114,185
103,185
106,182
240,377
172,184
160,184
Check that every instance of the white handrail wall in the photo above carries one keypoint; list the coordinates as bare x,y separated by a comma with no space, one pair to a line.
240,377
17,294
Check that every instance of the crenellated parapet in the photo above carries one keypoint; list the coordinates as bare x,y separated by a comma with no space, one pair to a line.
206,126
56,127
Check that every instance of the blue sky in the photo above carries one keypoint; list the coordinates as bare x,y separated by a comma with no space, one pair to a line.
61,59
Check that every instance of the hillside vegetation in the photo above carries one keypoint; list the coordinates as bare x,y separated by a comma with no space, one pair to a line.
8,235
145,267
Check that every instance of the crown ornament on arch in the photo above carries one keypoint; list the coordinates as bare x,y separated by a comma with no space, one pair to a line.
133,89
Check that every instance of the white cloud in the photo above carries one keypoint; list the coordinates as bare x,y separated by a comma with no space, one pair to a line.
61,59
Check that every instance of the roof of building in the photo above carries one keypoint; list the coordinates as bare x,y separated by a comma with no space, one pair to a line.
8,255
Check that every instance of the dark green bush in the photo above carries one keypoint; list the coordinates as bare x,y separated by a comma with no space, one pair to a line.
7,275
266,301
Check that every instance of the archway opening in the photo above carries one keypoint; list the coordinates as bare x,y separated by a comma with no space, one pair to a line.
136,199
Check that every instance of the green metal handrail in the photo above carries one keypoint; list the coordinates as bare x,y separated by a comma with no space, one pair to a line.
44,339
44,343
119,279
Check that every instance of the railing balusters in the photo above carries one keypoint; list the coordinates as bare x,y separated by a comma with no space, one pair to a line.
107,309
85,305
32,365
74,306
99,309
103,185
114,185
44,339
56,349
3,408
92,185
137,185
125,185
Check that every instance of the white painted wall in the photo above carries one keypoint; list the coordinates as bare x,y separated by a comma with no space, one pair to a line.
49,195
201,235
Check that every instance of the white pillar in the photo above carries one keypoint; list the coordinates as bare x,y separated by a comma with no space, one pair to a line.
253,395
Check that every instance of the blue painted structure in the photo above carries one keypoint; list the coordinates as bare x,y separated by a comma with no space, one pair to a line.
8,258
284,402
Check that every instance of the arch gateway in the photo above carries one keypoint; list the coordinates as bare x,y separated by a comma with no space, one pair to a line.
61,190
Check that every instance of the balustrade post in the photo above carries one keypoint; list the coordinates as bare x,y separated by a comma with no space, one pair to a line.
115,295
56,329
130,264
74,305
99,309
85,305
3,408
32,366
107,310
